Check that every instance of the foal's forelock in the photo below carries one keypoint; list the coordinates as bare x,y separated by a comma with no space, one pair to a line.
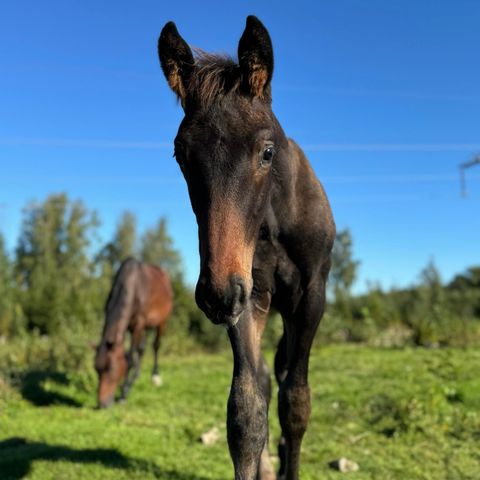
214,76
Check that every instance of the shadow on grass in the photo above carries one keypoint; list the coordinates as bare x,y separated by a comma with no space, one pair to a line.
18,454
32,389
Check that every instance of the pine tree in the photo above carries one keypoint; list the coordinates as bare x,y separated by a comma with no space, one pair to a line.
157,248
52,263
123,243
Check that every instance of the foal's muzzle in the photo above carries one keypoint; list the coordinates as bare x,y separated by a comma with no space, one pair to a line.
222,306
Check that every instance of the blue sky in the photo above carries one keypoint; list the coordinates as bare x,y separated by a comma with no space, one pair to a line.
383,96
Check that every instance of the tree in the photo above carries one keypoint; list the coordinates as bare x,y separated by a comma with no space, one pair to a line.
52,264
466,280
7,307
464,293
429,316
157,248
123,242
344,268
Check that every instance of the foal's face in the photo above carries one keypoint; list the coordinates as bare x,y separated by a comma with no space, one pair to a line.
226,148
111,366
226,157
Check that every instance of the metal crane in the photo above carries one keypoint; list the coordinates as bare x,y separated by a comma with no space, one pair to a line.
463,167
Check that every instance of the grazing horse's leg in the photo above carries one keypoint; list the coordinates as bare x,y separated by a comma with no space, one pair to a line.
156,378
137,350
247,425
294,392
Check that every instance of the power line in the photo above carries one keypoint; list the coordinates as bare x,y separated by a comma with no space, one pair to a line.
314,147
464,166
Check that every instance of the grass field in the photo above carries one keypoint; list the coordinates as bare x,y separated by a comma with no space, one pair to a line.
400,414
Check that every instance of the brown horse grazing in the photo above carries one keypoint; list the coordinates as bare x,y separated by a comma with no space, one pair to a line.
265,232
141,298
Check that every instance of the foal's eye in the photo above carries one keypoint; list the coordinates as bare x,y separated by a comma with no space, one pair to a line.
179,154
268,155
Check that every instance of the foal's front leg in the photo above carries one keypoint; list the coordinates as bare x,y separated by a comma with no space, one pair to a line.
247,424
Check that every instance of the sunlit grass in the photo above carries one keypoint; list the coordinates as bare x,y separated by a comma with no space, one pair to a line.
400,414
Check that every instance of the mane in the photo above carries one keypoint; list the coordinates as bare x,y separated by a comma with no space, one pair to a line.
215,75
118,298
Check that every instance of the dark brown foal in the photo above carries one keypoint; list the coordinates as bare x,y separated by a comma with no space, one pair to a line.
265,232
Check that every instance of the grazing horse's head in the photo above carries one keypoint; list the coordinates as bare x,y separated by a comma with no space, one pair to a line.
226,147
111,367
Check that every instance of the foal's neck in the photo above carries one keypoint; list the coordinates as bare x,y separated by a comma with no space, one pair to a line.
299,201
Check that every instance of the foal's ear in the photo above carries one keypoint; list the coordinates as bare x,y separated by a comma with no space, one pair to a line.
255,55
176,60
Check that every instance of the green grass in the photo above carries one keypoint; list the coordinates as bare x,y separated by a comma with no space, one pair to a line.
400,414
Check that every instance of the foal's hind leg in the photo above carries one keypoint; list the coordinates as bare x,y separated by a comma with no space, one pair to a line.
265,469
294,392
281,363
247,426
156,378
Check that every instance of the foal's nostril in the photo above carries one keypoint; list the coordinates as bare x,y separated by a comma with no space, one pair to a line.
220,304
238,295
237,292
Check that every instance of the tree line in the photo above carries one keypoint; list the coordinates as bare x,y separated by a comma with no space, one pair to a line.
57,279
430,313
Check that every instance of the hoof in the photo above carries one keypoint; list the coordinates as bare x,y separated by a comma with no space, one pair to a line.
157,380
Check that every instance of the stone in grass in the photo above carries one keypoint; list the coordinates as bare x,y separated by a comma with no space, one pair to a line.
344,465
210,437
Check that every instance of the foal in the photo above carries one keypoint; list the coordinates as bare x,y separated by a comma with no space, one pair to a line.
141,298
265,232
